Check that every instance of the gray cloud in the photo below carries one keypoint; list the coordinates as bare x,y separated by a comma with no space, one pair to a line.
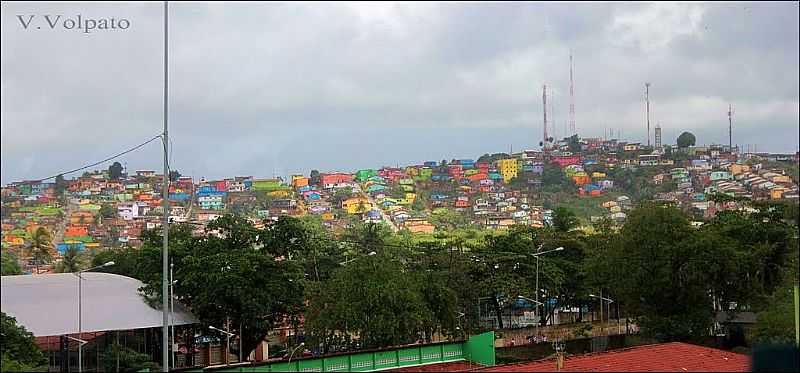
268,87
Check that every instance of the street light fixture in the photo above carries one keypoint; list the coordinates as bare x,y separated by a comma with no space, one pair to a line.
227,344
536,255
601,308
295,350
371,253
80,311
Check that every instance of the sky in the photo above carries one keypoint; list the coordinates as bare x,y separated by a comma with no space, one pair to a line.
264,89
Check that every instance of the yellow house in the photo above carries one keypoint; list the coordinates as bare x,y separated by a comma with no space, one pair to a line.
609,204
738,168
777,193
508,169
781,179
356,205
412,171
598,174
279,193
327,216
411,197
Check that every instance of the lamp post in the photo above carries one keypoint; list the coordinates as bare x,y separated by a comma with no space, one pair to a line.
293,351
227,343
601,307
172,314
536,255
80,311
371,253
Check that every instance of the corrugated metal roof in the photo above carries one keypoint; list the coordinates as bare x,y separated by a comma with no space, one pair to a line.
47,305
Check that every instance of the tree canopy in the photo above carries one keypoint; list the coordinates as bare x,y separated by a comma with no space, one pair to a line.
19,350
686,140
115,171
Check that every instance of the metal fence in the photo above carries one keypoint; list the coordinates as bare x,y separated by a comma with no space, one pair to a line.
478,349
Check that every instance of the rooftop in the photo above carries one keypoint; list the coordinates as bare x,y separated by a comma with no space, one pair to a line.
664,357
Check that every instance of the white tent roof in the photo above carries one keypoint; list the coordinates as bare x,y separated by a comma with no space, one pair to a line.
47,305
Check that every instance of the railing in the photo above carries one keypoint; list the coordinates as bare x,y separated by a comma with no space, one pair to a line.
478,349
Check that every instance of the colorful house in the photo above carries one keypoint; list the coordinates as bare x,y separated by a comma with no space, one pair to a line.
508,169
267,184
356,205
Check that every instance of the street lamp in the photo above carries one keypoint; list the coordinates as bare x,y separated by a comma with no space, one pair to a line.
371,253
601,307
80,311
227,344
295,350
536,255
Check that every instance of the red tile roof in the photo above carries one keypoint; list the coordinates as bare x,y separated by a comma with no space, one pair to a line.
456,366
665,357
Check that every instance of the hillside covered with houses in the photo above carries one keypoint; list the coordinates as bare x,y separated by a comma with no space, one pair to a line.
594,178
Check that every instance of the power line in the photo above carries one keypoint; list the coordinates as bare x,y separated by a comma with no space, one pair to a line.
103,161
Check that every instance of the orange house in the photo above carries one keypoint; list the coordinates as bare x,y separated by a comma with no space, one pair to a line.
580,180
76,231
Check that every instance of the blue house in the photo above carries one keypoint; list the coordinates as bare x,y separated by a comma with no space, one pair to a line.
430,164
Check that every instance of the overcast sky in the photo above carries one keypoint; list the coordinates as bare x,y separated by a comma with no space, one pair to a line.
263,89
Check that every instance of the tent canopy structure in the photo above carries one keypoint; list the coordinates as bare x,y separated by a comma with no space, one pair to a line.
47,305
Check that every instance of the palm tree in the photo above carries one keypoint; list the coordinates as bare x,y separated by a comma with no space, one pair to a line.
71,262
40,247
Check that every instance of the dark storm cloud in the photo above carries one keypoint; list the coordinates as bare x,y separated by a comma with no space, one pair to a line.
271,88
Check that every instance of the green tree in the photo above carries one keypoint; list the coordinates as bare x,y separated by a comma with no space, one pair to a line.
174,175
41,246
553,177
371,297
18,347
61,185
10,265
115,171
669,274
107,211
776,322
686,140
315,178
71,262
256,282
448,219
574,143
564,219
127,359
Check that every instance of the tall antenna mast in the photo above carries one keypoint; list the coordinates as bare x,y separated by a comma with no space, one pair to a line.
730,128
544,106
571,99
553,115
647,102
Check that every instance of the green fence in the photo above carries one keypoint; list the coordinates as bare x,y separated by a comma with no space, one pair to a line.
478,349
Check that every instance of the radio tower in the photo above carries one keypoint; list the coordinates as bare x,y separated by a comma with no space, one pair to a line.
730,128
544,106
571,99
658,137
647,103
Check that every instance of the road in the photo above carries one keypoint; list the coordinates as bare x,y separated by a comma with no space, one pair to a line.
384,216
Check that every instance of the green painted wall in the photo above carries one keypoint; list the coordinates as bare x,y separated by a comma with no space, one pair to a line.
478,349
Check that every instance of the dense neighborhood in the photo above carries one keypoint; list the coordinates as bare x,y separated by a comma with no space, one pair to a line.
596,178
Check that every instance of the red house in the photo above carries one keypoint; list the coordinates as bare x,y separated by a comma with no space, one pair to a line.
566,160
335,178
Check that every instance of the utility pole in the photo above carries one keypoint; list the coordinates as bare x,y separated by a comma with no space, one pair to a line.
165,203
647,103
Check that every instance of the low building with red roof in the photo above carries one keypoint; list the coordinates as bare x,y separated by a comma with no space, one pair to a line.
664,357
